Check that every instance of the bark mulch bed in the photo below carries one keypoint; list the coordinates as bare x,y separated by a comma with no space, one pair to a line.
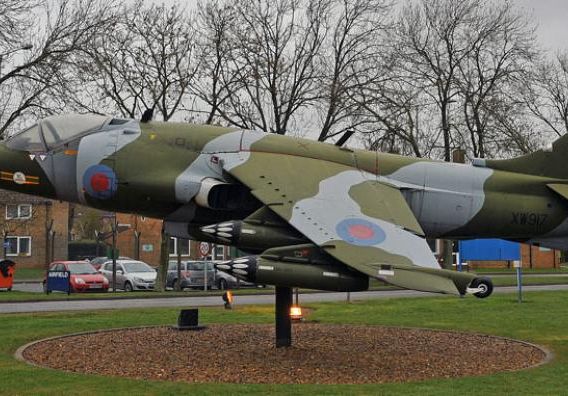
323,354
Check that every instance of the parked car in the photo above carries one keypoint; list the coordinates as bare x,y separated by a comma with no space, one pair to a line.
83,276
224,281
130,274
192,274
98,261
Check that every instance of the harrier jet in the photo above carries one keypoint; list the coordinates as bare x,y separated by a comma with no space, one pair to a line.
311,214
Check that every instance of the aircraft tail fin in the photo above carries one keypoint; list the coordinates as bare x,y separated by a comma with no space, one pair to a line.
550,162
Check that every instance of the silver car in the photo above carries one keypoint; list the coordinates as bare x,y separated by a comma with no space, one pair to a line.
192,274
131,275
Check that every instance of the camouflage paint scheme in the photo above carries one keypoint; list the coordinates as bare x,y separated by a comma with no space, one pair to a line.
316,215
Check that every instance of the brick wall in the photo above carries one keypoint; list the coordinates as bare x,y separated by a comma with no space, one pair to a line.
149,240
44,214
531,257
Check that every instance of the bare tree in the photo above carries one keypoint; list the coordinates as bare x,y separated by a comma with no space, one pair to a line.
277,45
503,48
547,95
355,47
397,117
147,62
216,79
434,40
32,58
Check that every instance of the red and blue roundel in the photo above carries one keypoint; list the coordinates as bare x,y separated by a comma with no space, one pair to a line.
360,232
99,181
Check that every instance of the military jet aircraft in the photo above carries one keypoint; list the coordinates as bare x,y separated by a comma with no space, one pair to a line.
313,214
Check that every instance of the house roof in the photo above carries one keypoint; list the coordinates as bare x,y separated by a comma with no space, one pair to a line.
11,197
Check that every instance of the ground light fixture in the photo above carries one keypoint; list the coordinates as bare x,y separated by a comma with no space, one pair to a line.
296,313
228,299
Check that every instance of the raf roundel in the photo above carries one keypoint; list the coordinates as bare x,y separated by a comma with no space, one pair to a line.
99,181
360,232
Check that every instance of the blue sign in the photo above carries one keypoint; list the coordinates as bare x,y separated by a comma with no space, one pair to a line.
489,250
58,281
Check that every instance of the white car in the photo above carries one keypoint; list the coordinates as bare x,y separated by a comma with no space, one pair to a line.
131,275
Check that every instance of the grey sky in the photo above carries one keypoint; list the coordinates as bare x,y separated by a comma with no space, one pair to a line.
552,19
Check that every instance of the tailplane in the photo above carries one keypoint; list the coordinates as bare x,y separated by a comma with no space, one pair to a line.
551,162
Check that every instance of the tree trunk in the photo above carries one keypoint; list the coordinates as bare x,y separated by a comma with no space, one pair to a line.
164,259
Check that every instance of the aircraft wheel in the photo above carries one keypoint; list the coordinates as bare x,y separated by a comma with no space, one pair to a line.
484,284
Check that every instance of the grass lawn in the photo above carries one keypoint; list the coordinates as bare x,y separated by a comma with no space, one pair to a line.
29,273
541,319
563,269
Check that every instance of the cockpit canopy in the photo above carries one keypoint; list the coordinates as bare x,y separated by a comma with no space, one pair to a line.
56,130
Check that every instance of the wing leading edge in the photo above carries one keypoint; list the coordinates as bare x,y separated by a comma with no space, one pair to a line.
362,222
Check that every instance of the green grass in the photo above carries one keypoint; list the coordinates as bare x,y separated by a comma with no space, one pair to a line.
541,319
563,269
533,280
29,273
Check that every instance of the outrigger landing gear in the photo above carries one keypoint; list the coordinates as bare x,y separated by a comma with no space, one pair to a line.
283,321
481,287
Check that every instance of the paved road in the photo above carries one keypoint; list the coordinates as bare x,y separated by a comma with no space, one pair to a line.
77,305
36,287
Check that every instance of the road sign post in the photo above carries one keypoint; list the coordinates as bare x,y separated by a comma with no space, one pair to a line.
518,267
204,250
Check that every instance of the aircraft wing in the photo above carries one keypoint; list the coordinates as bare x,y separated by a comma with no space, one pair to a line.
361,221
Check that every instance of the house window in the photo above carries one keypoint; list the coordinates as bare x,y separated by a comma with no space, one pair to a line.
19,246
219,252
21,211
179,243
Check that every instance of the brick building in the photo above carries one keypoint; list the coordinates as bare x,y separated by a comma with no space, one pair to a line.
34,229
531,257
140,238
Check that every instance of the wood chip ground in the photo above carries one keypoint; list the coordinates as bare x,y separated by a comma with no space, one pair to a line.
321,354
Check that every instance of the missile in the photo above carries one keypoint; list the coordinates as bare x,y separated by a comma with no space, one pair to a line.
263,271
253,237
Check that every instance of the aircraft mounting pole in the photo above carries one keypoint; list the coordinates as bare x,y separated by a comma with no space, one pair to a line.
283,321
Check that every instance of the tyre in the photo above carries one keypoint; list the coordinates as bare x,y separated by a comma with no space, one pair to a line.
175,285
484,284
222,284
44,285
128,286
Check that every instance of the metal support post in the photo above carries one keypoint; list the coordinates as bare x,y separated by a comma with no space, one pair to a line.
114,227
283,321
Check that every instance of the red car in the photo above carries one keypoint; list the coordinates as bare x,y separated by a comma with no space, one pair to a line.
83,276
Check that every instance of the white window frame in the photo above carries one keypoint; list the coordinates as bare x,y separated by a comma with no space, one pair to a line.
437,243
175,242
19,210
19,252
215,252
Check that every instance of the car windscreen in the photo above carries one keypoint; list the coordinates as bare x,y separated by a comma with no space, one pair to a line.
137,266
81,268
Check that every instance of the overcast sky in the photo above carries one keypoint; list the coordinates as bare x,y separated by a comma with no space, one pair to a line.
552,19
